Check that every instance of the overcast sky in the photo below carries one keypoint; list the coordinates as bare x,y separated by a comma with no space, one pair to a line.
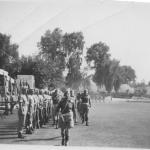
123,26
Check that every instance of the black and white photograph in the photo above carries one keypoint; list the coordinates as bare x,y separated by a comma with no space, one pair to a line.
74,73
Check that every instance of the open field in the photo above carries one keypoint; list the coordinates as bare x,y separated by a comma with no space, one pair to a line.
114,124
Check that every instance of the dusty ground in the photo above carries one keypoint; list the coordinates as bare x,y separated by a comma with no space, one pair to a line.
112,124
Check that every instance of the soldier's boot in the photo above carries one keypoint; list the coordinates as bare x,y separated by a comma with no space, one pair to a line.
63,142
82,119
28,130
38,125
31,129
56,124
66,140
63,139
20,135
86,119
87,123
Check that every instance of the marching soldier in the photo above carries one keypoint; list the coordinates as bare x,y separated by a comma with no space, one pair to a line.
22,112
85,104
37,99
55,99
41,98
30,114
78,101
73,100
45,106
66,120
49,105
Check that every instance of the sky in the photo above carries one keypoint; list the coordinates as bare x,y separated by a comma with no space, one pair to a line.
123,25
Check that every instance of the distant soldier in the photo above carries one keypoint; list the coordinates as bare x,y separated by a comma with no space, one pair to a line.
37,100
55,99
78,103
30,114
41,99
73,100
85,104
66,120
49,104
22,112
34,96
45,105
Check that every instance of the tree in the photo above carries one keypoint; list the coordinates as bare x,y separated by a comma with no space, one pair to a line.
124,75
73,44
110,70
97,58
118,79
128,74
8,54
51,59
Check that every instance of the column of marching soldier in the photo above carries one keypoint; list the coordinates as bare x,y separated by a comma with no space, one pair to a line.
37,107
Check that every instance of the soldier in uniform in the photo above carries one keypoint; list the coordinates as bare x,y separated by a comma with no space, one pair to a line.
37,109
78,101
66,121
45,108
22,112
85,104
55,99
49,105
73,99
30,114
41,98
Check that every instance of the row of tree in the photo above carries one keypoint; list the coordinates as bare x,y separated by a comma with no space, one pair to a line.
108,72
58,62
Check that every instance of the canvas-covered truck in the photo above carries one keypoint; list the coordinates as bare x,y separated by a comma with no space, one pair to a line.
25,81
7,87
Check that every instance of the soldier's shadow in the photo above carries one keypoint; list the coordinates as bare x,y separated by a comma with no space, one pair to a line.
41,139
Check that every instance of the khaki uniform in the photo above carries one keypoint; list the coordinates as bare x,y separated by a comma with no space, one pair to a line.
66,120
45,108
22,112
55,99
41,98
30,118
85,104
73,100
36,110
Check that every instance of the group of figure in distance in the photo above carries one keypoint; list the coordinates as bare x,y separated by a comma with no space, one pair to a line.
37,107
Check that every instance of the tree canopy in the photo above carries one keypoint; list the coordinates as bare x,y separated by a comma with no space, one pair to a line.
8,54
108,72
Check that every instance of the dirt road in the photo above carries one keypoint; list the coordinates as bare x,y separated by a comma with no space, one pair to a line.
120,124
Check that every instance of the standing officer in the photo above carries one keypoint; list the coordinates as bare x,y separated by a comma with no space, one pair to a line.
85,104
66,120
22,111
